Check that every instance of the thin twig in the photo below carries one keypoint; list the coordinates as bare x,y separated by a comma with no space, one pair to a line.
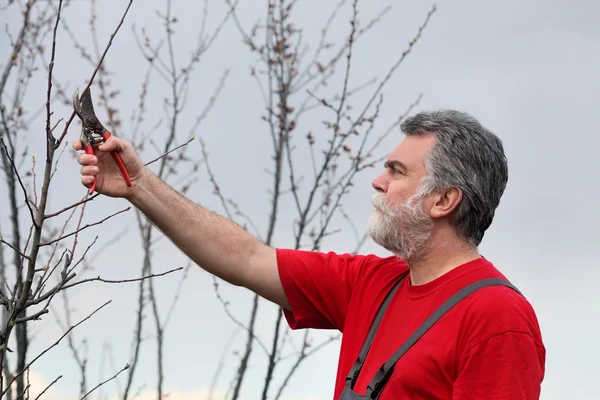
215,379
12,163
81,362
235,320
51,293
14,248
25,389
112,36
85,227
397,123
49,136
172,150
216,187
395,66
32,317
121,280
85,200
69,272
301,357
48,387
177,294
211,101
106,381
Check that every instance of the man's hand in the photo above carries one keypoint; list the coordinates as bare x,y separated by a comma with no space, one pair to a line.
109,180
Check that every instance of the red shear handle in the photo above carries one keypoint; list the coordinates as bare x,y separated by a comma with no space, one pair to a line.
90,150
119,161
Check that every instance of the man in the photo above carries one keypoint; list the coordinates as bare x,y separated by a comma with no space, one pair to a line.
433,203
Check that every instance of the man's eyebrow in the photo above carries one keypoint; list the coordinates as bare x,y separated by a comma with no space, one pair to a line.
396,164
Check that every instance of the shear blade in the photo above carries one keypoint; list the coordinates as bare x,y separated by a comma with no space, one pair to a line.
76,104
86,103
83,106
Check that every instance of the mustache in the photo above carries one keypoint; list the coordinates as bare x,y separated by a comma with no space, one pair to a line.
378,201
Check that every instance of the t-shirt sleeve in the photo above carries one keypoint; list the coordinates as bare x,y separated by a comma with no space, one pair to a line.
319,286
508,366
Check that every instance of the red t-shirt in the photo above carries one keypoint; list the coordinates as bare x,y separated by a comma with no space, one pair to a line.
488,346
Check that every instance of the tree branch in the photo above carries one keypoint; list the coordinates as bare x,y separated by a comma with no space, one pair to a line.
16,171
85,227
52,346
32,317
98,278
106,381
49,135
48,387
85,200
62,136
171,151
14,248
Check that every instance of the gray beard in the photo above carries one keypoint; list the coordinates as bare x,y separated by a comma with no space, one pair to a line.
405,230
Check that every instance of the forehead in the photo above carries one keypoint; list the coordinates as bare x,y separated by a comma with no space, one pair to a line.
412,150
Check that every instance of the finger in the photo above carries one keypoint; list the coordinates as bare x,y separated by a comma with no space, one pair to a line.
87,181
87,159
77,145
90,170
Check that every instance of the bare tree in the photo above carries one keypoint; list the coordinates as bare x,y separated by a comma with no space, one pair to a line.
169,159
313,169
292,84
37,276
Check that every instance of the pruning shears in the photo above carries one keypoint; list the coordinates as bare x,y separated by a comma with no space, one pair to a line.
93,132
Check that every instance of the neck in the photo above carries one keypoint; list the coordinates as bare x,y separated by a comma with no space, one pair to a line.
440,258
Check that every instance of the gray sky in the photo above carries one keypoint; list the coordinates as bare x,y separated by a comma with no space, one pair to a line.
527,70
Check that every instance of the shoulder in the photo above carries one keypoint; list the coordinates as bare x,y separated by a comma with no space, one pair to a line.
496,307
501,324
363,262
500,304
496,310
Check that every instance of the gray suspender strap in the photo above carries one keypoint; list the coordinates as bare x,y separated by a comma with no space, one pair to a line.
355,370
381,377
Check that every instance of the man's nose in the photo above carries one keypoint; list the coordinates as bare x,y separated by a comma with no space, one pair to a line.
379,184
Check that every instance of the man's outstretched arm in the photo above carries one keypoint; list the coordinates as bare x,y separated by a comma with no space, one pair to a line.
216,244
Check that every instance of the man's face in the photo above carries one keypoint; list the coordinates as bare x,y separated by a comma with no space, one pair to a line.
401,222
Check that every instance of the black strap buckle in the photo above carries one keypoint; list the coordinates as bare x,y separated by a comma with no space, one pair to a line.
376,384
353,374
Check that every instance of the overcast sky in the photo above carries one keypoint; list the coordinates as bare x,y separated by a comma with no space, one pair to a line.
527,70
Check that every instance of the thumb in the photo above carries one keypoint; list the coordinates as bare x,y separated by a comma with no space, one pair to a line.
112,144
77,145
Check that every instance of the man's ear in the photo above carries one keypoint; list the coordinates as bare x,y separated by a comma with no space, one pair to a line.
445,202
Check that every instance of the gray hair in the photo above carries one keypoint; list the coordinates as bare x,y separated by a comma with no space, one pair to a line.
468,156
